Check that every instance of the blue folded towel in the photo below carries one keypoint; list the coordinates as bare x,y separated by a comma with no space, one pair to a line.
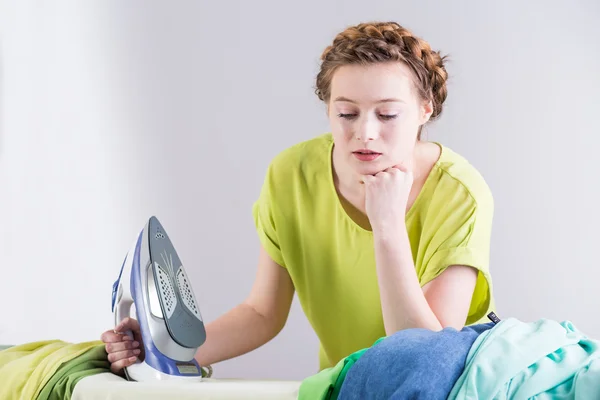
412,364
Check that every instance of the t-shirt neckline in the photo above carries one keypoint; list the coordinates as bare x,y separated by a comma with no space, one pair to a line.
338,201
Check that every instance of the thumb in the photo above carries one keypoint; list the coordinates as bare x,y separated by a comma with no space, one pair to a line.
127,324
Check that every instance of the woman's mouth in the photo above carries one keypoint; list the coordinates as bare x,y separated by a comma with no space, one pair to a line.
366,155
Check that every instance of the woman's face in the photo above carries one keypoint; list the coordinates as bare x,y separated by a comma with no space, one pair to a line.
375,114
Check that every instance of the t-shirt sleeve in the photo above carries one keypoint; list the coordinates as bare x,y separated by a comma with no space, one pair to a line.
459,233
264,214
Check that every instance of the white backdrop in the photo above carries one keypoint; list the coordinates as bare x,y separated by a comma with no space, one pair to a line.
115,111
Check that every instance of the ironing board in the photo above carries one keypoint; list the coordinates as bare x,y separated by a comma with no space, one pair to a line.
109,386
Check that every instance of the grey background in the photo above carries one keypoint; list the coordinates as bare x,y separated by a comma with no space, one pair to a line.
114,111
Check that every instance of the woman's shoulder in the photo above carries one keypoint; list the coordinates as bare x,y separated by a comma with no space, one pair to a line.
306,157
315,147
458,173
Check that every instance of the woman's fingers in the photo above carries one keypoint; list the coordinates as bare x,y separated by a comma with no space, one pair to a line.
116,367
123,355
113,347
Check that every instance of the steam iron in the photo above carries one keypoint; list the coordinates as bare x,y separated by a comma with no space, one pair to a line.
153,278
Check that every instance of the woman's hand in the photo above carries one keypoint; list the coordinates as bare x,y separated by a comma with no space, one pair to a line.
122,350
386,197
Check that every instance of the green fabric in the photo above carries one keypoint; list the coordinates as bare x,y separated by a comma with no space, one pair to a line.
25,369
62,383
326,384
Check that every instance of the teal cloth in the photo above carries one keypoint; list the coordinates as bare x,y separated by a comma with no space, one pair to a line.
544,359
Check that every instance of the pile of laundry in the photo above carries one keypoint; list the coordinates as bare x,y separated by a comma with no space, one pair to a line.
503,359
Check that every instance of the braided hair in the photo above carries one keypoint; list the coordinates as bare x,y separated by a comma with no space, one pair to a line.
376,42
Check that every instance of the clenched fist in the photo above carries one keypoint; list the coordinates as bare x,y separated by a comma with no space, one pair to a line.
386,197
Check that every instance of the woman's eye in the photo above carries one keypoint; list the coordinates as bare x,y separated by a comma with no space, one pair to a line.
386,117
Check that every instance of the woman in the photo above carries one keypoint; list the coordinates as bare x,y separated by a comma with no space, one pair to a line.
375,229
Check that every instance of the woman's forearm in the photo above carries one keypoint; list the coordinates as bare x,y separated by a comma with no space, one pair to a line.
403,302
239,331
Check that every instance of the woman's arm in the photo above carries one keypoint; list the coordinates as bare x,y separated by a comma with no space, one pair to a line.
254,322
244,328
442,302
446,299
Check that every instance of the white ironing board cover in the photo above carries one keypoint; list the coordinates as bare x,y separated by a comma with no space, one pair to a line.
107,386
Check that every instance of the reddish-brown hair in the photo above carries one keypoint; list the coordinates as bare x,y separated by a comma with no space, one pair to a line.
376,42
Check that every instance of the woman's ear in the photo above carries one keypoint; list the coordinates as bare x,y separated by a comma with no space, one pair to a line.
426,111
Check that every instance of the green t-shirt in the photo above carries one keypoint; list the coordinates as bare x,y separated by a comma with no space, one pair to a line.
330,258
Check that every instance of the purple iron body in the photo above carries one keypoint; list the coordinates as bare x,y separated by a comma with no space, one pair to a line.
153,278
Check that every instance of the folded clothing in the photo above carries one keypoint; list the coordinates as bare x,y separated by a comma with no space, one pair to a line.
47,370
411,364
508,359
544,359
62,383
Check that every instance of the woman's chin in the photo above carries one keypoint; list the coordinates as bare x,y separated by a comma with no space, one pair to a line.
371,169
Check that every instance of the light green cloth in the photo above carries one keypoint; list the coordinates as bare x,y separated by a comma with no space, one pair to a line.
544,359
26,369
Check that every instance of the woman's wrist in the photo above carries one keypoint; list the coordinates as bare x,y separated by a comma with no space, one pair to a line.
389,232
